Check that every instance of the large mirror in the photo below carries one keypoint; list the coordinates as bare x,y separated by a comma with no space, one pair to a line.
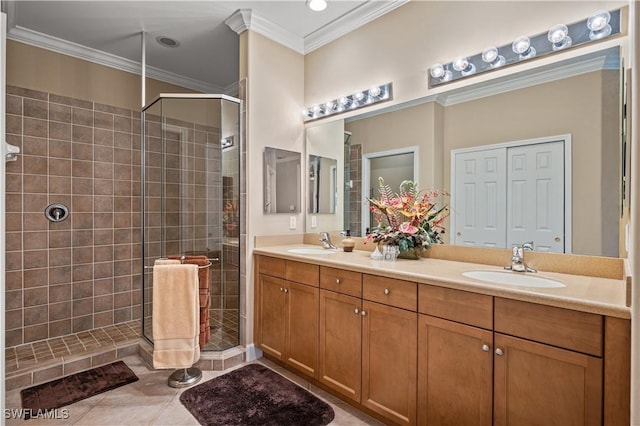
579,98
281,183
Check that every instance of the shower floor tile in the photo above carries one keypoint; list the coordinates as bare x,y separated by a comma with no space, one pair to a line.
29,355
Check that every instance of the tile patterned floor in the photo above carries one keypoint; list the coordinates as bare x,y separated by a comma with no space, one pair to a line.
150,401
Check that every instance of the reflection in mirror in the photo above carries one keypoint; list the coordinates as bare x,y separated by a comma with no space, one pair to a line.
580,97
322,189
325,145
282,176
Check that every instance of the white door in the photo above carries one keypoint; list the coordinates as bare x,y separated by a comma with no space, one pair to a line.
535,196
478,202
510,194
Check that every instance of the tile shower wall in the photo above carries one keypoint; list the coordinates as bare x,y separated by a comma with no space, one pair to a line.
84,272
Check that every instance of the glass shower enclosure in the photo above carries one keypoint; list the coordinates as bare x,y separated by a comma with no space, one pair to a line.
191,202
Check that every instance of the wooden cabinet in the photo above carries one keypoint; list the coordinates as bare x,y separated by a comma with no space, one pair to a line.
389,361
424,354
340,356
455,378
541,384
287,316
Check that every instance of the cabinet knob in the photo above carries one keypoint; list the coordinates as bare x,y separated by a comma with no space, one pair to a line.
485,347
281,289
363,312
387,291
498,351
286,290
337,280
356,310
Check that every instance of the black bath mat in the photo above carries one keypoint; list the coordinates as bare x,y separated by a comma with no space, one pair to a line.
76,387
255,395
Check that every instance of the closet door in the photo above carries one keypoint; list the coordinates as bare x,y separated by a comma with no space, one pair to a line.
478,202
535,196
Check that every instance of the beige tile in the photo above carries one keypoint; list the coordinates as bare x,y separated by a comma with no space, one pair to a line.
175,414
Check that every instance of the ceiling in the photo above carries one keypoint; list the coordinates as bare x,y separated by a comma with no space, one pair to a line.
109,32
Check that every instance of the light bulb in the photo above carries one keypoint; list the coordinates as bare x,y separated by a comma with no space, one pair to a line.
522,46
440,73
463,65
317,5
598,23
358,96
374,91
558,35
343,101
492,56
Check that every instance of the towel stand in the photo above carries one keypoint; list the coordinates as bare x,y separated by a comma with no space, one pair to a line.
184,377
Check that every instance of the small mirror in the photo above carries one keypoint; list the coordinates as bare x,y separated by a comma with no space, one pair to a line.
281,192
323,188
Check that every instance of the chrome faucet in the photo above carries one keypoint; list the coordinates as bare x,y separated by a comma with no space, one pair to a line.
325,239
517,258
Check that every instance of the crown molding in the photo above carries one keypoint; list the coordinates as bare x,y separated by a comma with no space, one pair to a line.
356,18
37,39
246,19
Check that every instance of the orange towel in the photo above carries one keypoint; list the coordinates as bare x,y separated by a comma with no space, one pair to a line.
203,277
175,315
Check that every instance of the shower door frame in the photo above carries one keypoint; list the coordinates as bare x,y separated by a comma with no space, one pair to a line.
143,195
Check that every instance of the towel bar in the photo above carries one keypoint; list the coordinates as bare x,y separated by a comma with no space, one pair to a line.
199,266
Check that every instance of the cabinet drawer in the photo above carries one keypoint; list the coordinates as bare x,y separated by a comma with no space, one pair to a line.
565,328
271,266
398,293
341,281
304,273
456,305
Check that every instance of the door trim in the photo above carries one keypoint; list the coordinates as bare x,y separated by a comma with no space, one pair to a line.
366,176
565,139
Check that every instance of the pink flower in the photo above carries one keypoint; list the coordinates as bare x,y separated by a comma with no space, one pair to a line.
407,228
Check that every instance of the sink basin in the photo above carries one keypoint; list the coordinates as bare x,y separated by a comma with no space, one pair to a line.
310,251
519,279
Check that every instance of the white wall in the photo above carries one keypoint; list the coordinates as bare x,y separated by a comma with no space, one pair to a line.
274,95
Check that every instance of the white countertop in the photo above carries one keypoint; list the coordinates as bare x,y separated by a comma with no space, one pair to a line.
603,296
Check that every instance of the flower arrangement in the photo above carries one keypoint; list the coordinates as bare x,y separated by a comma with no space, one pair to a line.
410,219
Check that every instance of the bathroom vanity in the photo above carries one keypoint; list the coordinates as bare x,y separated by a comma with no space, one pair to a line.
418,342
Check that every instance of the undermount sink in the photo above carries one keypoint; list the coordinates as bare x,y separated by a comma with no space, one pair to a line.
519,279
310,251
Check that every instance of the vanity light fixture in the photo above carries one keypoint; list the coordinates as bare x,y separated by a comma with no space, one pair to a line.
558,35
317,5
359,99
599,25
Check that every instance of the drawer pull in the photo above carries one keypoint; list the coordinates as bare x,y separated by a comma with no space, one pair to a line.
499,352
387,291
356,311
281,289
485,347
286,290
363,312
337,280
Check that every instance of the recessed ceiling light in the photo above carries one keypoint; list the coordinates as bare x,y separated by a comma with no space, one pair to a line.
317,5
167,41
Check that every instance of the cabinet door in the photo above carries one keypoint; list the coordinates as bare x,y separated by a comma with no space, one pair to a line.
455,373
340,343
541,384
389,361
302,328
271,338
